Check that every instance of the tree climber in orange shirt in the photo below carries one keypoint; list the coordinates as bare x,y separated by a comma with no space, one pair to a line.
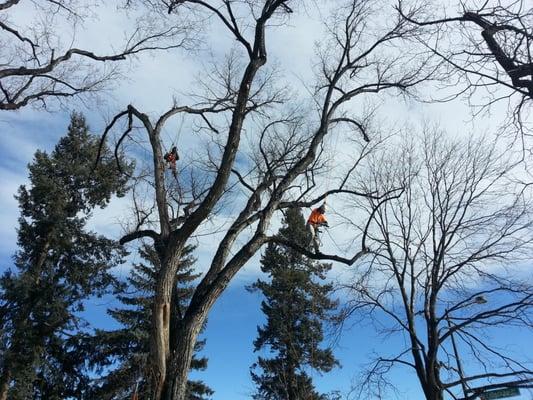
171,157
315,221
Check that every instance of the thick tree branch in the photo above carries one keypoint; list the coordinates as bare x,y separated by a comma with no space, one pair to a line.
7,4
353,122
318,255
138,235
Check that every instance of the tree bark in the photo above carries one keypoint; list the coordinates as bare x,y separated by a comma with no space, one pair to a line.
4,382
161,316
435,394
182,354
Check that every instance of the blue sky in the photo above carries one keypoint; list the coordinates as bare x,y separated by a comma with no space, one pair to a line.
234,319
151,83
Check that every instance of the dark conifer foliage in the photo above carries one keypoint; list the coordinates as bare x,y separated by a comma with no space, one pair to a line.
296,305
125,351
58,266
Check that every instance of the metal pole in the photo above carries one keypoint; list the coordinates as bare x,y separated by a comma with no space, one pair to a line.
458,361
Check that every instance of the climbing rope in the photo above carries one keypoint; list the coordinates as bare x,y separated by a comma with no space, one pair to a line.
176,138
329,173
334,242
135,395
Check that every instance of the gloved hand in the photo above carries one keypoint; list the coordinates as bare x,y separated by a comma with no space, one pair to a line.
325,224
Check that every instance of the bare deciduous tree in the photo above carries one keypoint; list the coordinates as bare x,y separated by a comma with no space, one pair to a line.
447,264
279,149
38,62
487,44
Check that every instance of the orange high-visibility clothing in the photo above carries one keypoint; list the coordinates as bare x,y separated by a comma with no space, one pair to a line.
171,158
316,218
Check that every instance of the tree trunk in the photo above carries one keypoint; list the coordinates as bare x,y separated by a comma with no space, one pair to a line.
434,394
174,386
180,363
293,390
159,345
4,383
161,315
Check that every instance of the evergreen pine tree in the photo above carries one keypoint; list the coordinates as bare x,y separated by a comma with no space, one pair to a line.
59,265
126,350
296,304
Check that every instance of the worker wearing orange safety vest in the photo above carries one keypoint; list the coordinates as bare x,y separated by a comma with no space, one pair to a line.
316,220
171,157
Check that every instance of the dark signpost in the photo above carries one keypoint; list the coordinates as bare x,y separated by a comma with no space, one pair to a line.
499,390
500,393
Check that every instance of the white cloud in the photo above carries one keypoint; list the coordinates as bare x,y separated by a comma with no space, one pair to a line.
150,84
